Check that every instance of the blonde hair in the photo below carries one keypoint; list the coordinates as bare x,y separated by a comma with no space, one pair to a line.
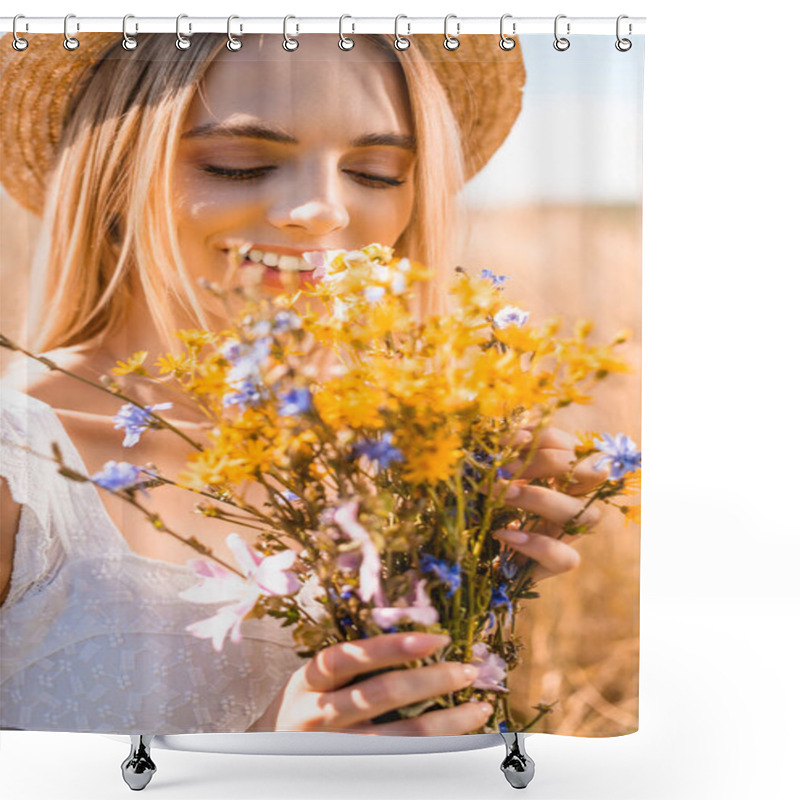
109,215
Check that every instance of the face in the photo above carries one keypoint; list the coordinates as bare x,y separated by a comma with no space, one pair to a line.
294,151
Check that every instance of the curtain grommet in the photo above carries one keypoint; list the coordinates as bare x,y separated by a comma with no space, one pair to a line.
400,42
70,42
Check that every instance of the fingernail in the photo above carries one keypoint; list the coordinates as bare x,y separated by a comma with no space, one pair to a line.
424,642
483,707
515,537
512,491
470,672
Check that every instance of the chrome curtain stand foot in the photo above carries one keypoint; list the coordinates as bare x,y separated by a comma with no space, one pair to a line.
138,768
517,766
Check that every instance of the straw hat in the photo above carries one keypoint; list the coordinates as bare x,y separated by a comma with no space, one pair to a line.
483,82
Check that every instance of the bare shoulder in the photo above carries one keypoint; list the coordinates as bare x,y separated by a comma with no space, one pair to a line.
56,388
10,512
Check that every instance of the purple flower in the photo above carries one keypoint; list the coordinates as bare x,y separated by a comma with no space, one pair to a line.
507,567
380,450
510,315
136,420
295,401
286,320
491,668
620,452
497,280
116,475
449,574
417,608
263,575
346,517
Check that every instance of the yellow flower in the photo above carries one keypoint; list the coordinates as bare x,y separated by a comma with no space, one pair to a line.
585,444
134,365
195,339
178,365
632,514
432,459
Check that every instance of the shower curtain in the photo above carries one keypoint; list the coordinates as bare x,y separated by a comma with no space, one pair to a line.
211,526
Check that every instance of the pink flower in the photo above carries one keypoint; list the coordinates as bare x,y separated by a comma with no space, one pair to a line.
491,668
264,575
419,609
346,517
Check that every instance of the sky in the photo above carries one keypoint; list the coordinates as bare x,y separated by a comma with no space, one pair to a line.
578,137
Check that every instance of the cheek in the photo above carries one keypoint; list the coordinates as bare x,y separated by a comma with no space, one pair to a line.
388,214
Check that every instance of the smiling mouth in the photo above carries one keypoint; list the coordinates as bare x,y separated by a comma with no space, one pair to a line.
280,262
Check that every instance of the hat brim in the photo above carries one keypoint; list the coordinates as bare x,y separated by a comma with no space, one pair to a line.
483,83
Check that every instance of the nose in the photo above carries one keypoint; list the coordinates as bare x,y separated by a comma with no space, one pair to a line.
310,199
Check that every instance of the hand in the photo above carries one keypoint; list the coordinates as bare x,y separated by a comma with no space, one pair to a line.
554,454
317,696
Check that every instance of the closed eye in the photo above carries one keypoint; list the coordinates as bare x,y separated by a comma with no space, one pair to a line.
375,181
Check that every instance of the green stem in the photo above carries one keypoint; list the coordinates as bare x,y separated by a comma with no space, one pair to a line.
51,365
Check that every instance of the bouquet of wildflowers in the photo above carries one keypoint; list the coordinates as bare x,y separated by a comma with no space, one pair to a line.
387,470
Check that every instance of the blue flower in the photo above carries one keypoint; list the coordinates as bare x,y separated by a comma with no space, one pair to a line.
503,726
497,280
289,495
448,574
116,475
500,597
620,452
136,420
380,450
503,473
295,401
246,361
246,395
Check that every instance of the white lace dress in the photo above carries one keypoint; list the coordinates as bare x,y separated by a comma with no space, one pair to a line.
92,635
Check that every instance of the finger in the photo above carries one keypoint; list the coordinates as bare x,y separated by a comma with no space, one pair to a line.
362,701
338,664
553,556
552,505
557,463
464,718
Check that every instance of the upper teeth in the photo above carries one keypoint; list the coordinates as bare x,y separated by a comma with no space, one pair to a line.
282,262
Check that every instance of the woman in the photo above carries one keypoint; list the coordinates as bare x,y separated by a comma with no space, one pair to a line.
162,163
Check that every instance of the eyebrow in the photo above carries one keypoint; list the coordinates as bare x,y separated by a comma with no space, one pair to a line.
213,130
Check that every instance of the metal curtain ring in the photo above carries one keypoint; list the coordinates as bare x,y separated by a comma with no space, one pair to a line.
400,42
450,42
506,42
70,42
128,42
182,42
561,43
290,43
233,44
344,42
623,45
18,43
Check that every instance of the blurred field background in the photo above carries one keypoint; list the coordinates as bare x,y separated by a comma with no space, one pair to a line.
582,635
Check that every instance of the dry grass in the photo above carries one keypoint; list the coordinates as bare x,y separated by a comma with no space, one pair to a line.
581,635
